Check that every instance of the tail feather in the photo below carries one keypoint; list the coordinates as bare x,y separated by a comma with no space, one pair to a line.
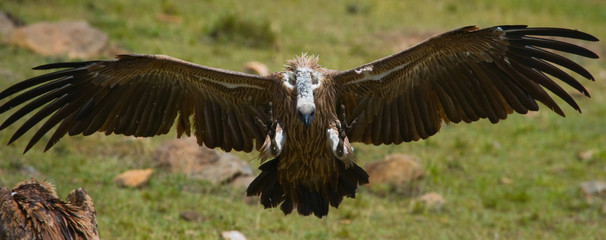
267,185
286,207
307,200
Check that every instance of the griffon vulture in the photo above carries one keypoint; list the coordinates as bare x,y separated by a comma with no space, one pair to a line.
305,118
32,210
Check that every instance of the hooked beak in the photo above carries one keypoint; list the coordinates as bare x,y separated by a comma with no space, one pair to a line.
306,118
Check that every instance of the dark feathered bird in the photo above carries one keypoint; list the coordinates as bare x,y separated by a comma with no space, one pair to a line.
32,210
305,117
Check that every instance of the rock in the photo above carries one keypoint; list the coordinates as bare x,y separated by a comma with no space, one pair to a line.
396,169
232,235
256,68
72,39
242,181
506,180
594,188
186,156
7,24
133,178
432,200
192,216
586,155
531,114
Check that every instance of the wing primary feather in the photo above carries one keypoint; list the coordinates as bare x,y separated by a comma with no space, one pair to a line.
32,93
34,104
85,109
537,80
543,80
554,32
553,44
53,120
39,116
552,57
66,65
551,70
38,80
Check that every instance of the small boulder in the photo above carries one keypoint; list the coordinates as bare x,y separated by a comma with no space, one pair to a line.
133,178
192,216
594,188
397,169
587,155
432,200
427,202
242,181
257,68
232,235
186,156
7,24
75,39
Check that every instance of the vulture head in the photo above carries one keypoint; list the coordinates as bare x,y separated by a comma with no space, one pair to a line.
304,74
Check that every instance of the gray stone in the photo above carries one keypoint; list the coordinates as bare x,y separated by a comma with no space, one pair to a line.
186,156
72,39
7,25
594,188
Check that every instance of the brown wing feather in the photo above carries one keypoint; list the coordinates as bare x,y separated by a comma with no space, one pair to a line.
142,95
463,75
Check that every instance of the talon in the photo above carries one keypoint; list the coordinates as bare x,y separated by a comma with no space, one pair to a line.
343,122
261,124
270,125
275,136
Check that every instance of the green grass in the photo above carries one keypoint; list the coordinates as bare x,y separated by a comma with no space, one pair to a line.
464,162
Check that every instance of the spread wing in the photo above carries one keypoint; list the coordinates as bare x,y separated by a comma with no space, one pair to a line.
463,75
142,95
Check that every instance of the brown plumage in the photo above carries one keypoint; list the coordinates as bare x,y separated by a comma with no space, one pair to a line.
305,117
32,210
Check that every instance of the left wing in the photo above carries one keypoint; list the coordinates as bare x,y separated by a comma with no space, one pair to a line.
142,95
463,75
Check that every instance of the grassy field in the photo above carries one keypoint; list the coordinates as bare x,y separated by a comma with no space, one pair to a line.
465,163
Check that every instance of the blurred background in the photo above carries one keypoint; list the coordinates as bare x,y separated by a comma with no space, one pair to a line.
524,178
